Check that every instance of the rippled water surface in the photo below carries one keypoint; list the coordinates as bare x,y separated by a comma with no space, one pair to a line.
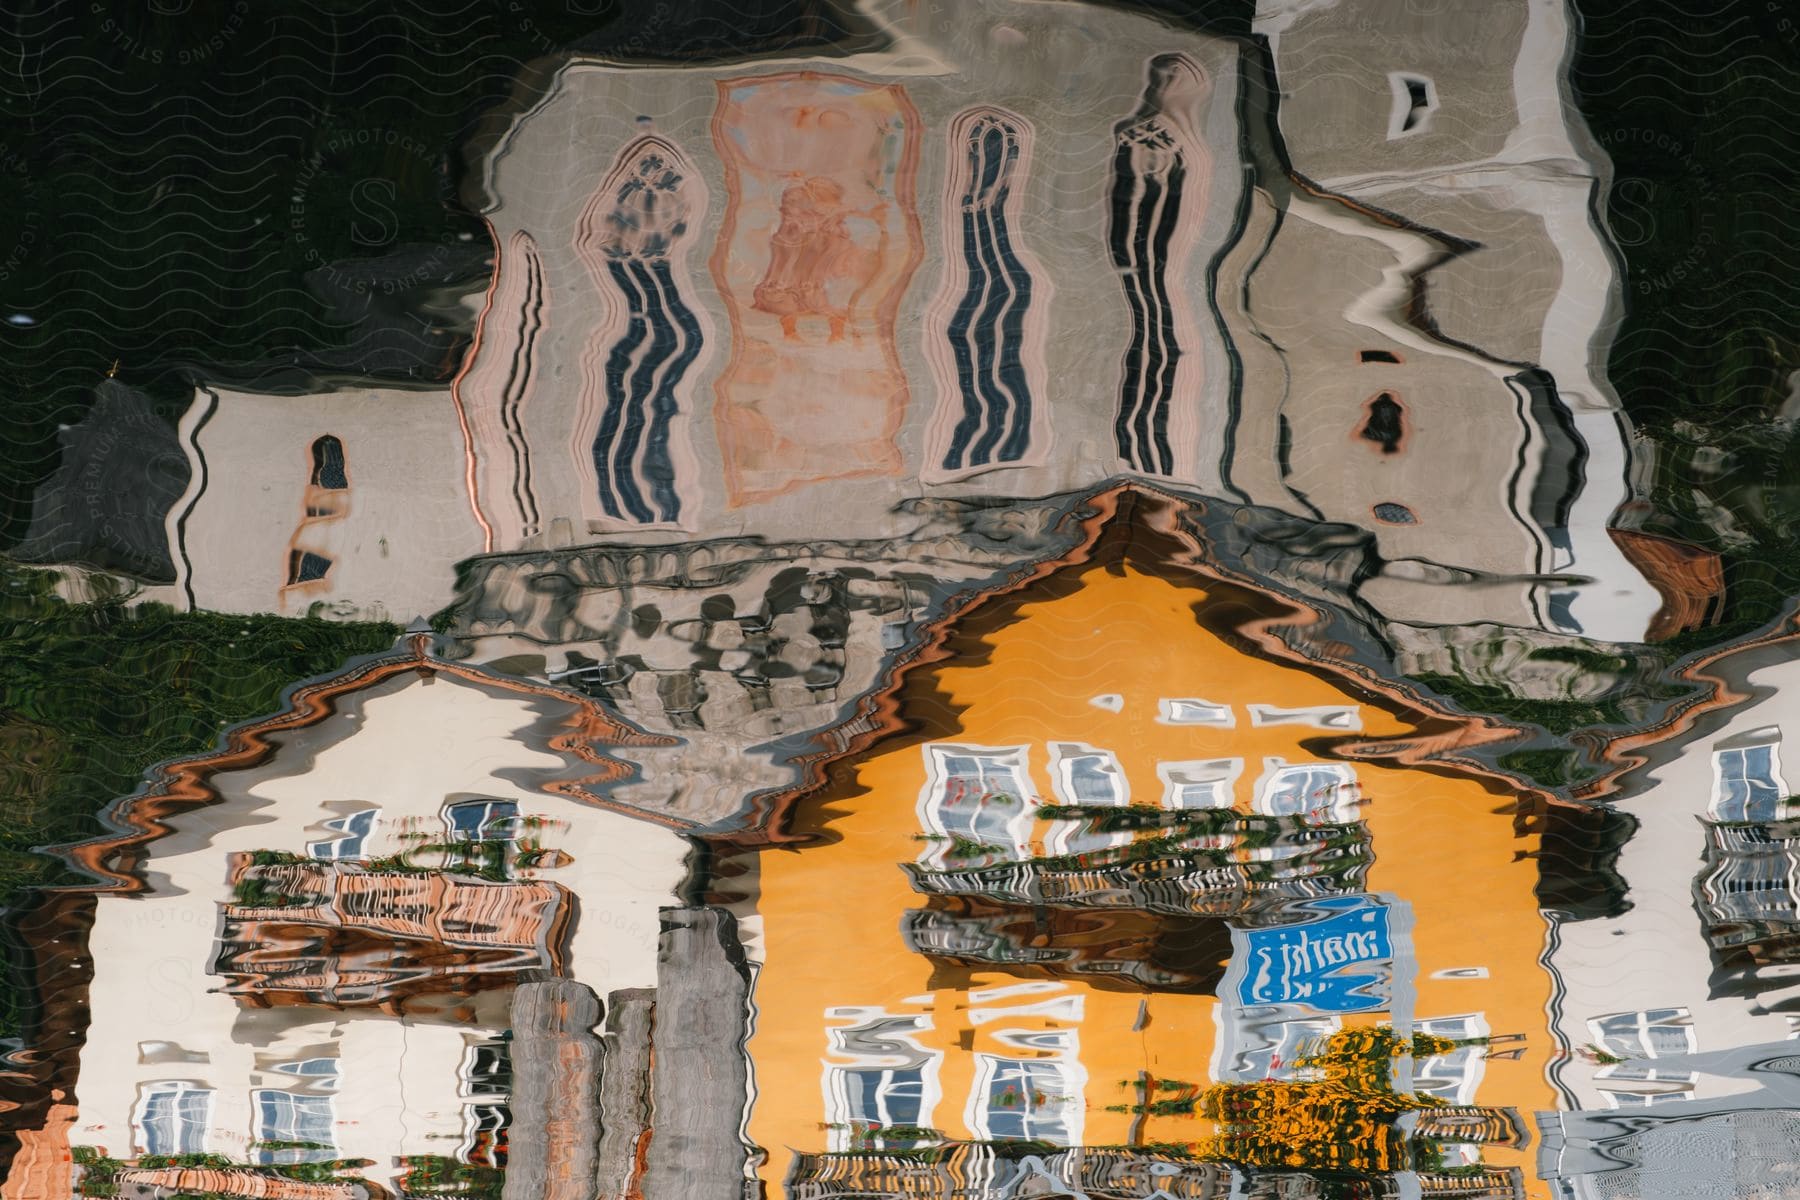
865,598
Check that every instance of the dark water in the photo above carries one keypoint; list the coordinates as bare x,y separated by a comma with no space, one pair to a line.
861,598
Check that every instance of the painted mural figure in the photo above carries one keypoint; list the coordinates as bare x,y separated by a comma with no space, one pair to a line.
810,251
819,240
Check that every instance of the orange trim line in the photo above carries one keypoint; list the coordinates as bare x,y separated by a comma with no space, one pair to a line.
185,784
878,713
462,416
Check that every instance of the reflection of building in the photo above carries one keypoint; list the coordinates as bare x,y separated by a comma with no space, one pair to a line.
1700,969
849,276
1045,870
1451,120
1729,1152
339,908
906,268
1677,1013
1323,395
345,503
741,649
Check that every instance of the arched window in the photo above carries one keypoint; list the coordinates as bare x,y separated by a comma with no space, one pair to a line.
1384,423
305,566
328,464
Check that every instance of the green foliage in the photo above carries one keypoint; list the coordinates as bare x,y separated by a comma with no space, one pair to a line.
99,1174
437,1175
1558,717
93,695
210,1162
1548,767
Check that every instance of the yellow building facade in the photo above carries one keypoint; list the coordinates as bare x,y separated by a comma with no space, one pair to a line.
878,1028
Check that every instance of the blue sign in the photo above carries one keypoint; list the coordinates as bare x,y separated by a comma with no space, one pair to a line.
1327,965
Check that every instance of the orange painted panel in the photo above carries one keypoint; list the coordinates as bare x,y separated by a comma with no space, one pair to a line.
820,237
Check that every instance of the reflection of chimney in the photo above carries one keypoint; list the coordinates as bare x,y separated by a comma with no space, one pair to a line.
625,1093
700,1077
555,1133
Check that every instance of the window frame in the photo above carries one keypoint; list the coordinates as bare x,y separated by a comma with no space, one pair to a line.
185,1124
491,804
1065,1127
1221,716
892,1049
1016,828
333,849
1342,808
1315,716
1231,770
302,1107
1746,810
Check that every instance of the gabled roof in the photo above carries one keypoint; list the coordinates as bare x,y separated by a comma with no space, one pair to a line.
187,783
1155,532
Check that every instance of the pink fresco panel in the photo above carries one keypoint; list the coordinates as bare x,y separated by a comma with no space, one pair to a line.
819,240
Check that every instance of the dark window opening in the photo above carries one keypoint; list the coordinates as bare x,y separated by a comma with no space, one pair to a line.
1415,99
1419,102
304,567
328,464
1381,356
1395,514
1385,423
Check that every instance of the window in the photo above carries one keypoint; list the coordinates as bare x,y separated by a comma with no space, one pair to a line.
482,820
1195,712
891,1083
172,1118
1059,1005
1346,717
863,1100
1666,1090
1322,792
1384,423
487,1069
1747,784
634,237
484,1134
1207,784
356,829
1415,99
325,1070
1389,513
1081,774
1654,1033
1274,1049
295,1127
1153,154
993,387
305,566
486,1077
328,464
1029,1099
1454,1075
977,805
